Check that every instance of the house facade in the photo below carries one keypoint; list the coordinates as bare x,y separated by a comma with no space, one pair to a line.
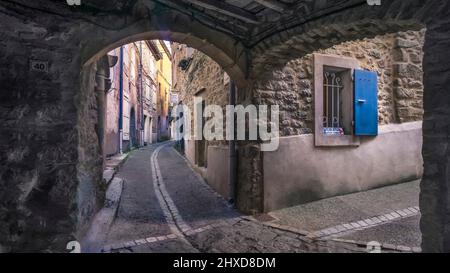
164,79
350,119
131,111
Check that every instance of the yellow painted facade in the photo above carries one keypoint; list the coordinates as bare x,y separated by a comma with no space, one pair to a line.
164,79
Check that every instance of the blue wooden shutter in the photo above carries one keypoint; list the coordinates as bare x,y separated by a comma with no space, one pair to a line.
366,103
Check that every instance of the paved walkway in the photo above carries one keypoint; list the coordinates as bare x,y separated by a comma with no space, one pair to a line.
166,207
389,215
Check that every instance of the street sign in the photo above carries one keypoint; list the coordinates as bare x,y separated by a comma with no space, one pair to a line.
39,66
330,131
174,98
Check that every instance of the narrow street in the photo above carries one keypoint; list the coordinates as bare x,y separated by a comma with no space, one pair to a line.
166,208
326,122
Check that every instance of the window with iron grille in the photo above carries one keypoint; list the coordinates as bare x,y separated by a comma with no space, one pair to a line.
334,100
345,101
337,101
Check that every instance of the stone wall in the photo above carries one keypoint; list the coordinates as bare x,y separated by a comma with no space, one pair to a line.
50,160
90,190
204,78
42,134
397,58
408,75
434,188
299,173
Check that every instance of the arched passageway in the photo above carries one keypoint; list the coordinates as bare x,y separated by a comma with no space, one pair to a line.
51,167
273,52
223,49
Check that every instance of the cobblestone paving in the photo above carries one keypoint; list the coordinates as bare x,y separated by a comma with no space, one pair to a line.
209,224
198,204
139,214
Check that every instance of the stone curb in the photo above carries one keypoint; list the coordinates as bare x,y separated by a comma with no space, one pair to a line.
363,224
278,226
111,171
104,218
312,235
156,239
102,221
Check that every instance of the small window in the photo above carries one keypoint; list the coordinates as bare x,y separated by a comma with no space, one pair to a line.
345,101
333,85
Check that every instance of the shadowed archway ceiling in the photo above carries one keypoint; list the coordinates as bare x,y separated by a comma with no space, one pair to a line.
249,21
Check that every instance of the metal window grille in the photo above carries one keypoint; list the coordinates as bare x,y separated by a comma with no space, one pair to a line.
332,99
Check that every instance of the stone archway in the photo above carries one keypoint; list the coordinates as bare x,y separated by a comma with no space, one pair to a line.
272,52
58,191
435,194
356,22
229,53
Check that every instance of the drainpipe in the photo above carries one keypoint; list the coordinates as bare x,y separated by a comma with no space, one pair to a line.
121,102
232,179
141,93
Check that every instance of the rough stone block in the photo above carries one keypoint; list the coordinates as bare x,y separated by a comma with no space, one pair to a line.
114,192
408,71
400,55
108,175
403,43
